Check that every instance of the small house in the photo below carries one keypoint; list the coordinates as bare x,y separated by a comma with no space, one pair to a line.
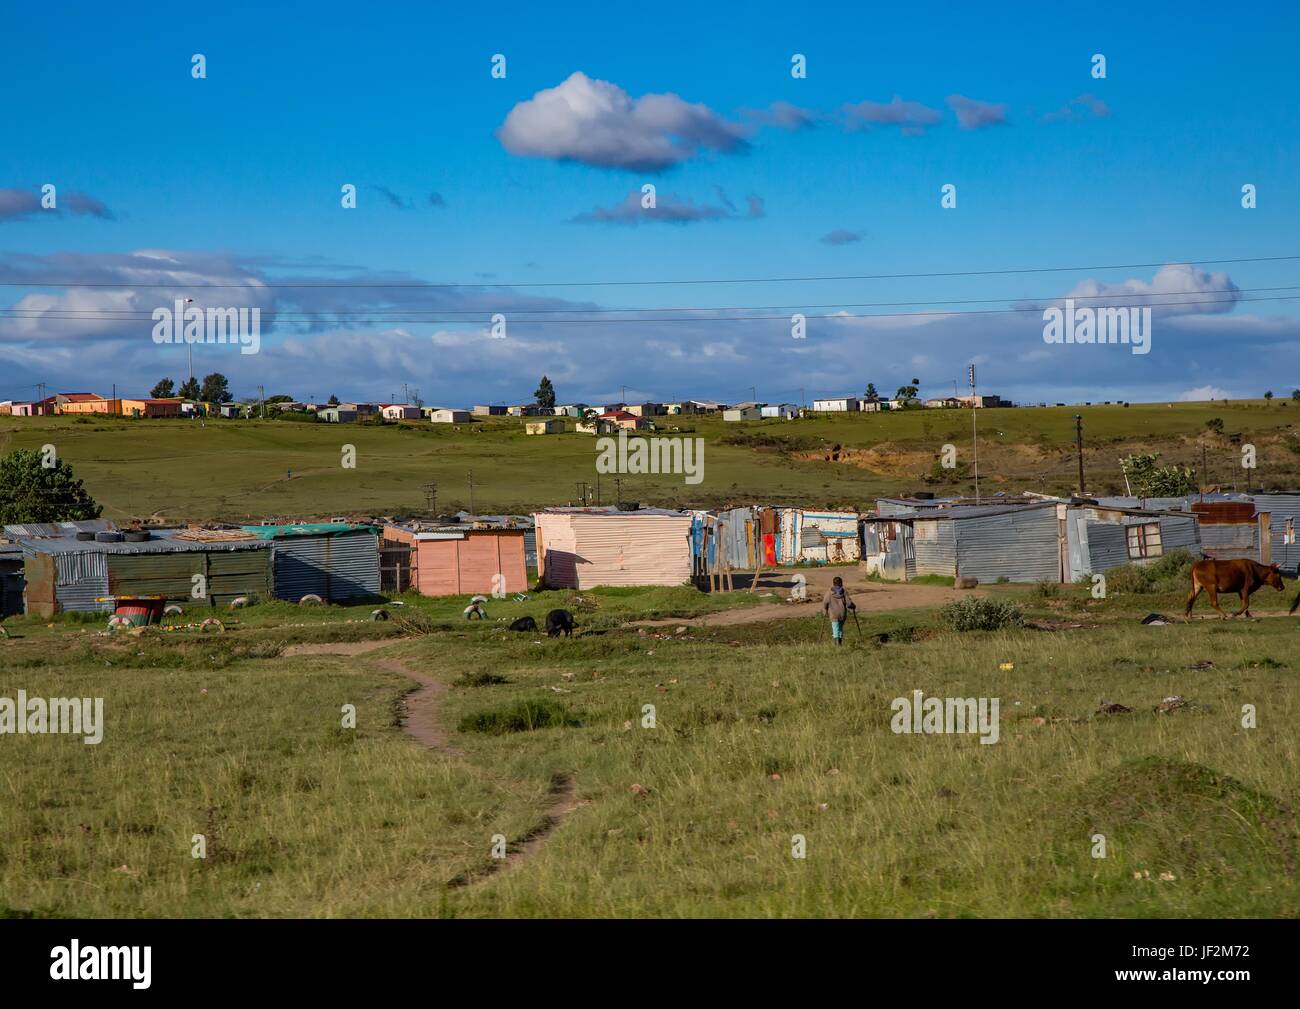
745,411
399,411
336,415
488,410
544,427
446,415
781,411
836,404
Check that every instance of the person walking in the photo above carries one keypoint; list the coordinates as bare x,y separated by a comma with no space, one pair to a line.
837,605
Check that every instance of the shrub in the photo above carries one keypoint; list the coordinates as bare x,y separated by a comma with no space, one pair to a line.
1169,573
1047,590
980,613
523,716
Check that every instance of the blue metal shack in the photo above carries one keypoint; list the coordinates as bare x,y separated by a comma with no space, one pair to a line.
1283,511
337,561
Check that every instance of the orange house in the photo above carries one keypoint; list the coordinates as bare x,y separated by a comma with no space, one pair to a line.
83,402
149,407
469,561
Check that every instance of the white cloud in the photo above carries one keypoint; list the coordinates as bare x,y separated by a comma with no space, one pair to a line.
598,123
1204,392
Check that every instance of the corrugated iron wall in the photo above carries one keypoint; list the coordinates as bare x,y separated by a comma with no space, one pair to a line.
622,549
228,574
1281,508
335,567
1020,546
82,578
935,545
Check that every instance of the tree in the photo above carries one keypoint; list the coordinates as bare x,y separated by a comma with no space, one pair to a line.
1269,394
33,492
872,395
908,392
1150,480
164,389
190,389
1295,395
215,388
1215,424
333,400
545,394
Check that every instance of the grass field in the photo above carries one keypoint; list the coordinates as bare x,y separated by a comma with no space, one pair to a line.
237,470
763,732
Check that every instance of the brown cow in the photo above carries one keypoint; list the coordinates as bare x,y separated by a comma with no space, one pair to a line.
1241,575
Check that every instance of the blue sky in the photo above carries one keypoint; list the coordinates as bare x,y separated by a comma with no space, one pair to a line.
466,180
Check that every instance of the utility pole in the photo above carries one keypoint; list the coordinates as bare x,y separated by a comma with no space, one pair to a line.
189,347
431,496
471,492
261,399
974,434
597,488
618,490
1078,439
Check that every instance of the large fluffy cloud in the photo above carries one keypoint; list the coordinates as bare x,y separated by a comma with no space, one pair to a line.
598,123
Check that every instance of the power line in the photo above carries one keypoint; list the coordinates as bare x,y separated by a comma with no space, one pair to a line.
52,314
665,283
135,314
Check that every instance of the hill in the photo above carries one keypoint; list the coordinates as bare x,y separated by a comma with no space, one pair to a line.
246,469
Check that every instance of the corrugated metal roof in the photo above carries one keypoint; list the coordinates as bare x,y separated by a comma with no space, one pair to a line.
161,542
306,529
57,529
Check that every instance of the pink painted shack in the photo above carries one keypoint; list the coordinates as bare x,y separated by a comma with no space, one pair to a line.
461,562
580,548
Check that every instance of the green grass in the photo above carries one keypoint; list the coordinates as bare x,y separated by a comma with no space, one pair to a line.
228,737
250,470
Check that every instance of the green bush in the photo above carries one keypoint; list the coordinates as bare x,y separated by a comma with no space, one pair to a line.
1170,573
524,716
980,613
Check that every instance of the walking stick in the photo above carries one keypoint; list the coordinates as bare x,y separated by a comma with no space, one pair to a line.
856,624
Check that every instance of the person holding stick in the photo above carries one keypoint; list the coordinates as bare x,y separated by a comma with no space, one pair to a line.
837,605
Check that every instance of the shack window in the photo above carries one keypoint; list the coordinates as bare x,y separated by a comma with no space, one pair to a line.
1144,541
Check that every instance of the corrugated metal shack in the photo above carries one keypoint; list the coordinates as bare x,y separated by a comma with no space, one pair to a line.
1230,526
450,561
337,561
1100,538
742,538
63,573
1021,540
579,548
1279,515
11,578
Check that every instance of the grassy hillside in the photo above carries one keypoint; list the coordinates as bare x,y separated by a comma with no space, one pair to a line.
762,732
236,469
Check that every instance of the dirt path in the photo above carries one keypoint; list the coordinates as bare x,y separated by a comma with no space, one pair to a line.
420,707
422,720
871,597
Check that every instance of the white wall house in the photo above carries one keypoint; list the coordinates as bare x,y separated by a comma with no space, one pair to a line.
446,415
784,411
838,404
